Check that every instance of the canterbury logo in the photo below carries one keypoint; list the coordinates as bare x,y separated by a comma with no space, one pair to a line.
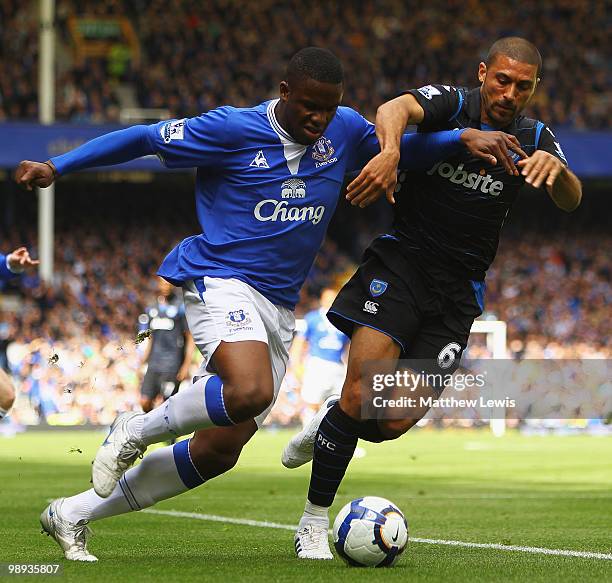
483,182
275,210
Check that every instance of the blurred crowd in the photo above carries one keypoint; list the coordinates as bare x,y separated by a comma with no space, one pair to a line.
71,346
194,56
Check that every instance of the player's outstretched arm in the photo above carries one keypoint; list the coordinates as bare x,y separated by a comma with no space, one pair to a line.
15,263
544,169
107,150
420,151
380,173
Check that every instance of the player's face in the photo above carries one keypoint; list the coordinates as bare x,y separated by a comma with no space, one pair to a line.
308,107
507,87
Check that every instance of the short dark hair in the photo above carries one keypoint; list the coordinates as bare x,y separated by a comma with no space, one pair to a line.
516,48
315,63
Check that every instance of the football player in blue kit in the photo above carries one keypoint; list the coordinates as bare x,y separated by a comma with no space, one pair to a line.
419,288
267,183
322,348
11,265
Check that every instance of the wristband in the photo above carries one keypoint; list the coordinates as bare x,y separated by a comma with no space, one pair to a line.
48,163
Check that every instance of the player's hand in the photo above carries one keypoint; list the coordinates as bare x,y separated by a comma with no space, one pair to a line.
183,373
493,147
541,167
378,176
30,174
20,259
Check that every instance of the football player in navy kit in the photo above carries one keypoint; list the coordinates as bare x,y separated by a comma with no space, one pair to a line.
170,348
267,183
419,288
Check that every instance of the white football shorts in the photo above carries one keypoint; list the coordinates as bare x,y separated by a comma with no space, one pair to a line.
230,310
322,379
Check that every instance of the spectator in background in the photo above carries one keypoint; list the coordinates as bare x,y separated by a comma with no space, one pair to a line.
222,52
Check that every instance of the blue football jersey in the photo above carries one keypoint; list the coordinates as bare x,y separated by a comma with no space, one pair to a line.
324,340
263,201
5,272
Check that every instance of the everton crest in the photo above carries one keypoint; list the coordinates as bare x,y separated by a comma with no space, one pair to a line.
322,149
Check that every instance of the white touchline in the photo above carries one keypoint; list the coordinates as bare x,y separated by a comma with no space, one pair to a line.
431,541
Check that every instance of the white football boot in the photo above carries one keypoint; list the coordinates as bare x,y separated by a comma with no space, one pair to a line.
116,454
300,448
71,537
312,542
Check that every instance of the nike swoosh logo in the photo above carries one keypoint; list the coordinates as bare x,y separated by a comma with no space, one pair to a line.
105,442
394,538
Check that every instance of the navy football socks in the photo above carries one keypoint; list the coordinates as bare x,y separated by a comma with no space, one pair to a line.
334,447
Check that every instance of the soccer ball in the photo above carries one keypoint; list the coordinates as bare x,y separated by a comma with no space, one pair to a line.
370,532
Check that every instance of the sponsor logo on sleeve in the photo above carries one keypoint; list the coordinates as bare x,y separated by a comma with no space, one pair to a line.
173,130
429,91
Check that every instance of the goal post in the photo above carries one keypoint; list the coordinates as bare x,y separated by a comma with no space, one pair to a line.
496,331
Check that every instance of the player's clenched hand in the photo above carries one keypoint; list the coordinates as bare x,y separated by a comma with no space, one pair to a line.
378,176
494,147
30,174
541,167
20,259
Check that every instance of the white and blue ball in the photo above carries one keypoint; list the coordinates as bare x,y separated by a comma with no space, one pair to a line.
370,532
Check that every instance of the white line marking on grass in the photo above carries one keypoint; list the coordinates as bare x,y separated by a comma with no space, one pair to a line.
430,541
215,518
433,496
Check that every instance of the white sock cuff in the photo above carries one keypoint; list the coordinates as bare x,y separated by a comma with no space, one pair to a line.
314,510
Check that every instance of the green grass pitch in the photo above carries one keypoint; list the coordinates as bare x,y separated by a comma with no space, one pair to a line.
550,492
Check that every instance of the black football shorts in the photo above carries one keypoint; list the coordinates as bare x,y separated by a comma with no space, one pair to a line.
425,309
158,383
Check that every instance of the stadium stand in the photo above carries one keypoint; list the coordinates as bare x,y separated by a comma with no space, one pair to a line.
552,285
551,282
194,56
